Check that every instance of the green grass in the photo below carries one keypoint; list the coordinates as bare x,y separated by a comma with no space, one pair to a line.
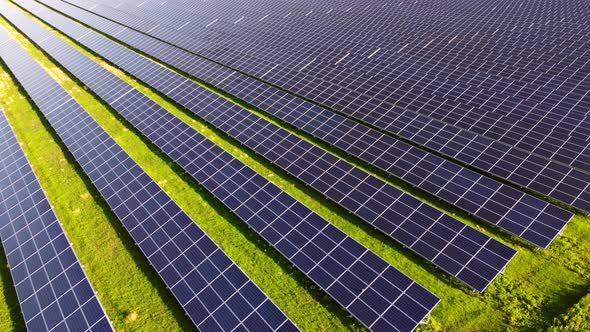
537,286
577,318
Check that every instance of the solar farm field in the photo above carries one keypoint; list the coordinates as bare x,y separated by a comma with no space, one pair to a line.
280,166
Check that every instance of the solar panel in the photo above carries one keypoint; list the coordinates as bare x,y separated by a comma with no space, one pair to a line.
460,250
530,218
570,188
52,289
214,292
372,290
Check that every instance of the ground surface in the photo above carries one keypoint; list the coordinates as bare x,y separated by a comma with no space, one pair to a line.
540,288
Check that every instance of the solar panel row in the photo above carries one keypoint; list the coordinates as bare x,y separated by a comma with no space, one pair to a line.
531,171
215,293
346,270
518,213
52,289
456,248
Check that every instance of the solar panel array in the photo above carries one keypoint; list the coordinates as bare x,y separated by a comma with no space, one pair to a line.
52,289
215,293
383,72
377,294
477,82
532,156
460,250
519,213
